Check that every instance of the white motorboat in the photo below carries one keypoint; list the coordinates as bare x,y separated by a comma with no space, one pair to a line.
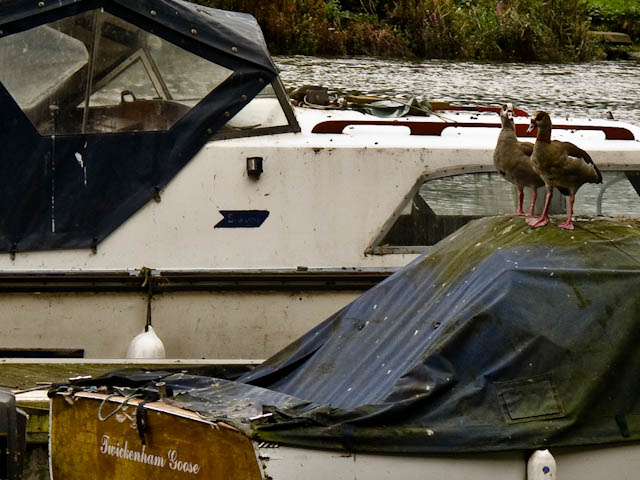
155,172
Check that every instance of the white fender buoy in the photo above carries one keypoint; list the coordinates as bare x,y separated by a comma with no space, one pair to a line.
146,345
541,466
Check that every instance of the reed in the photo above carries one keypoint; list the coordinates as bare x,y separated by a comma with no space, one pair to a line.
541,30
528,30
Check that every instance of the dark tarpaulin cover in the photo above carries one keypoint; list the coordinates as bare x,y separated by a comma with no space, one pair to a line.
500,338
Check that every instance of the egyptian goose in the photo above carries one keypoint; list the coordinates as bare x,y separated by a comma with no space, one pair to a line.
561,165
512,160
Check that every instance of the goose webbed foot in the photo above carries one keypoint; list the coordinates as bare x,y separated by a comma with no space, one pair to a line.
539,222
568,224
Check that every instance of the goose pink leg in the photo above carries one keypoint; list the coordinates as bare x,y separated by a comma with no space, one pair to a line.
534,197
568,224
544,218
520,213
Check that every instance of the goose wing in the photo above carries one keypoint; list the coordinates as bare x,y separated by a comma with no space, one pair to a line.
576,152
526,148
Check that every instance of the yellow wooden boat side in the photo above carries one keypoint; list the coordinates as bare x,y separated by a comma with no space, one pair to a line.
93,432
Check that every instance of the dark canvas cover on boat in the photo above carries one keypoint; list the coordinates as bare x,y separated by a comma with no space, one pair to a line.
236,34
502,337
46,200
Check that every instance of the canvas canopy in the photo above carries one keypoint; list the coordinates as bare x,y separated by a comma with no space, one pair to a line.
74,165
501,338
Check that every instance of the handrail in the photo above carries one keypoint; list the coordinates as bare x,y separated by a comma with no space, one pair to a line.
436,128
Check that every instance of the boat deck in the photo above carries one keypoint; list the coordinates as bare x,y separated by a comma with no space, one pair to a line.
31,378
28,373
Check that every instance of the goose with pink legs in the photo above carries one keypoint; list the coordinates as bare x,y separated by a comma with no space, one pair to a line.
561,165
512,160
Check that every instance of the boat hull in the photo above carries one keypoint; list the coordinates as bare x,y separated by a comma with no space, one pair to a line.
80,443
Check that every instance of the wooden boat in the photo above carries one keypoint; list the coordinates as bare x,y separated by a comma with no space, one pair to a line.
114,448
154,168
222,452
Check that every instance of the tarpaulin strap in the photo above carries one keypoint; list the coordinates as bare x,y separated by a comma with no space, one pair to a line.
141,421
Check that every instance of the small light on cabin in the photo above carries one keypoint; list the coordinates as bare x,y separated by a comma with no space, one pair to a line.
254,167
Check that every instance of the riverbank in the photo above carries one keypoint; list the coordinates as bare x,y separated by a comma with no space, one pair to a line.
500,30
617,15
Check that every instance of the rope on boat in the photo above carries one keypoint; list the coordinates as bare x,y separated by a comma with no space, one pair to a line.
118,408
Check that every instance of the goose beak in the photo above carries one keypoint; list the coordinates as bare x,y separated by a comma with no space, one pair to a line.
532,126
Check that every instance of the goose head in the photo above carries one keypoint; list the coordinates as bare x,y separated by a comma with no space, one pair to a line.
506,114
541,120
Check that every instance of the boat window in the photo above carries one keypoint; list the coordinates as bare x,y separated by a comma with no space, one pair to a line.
94,72
132,82
189,78
36,61
442,205
617,196
260,115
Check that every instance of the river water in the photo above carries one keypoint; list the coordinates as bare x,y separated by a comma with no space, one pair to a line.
576,89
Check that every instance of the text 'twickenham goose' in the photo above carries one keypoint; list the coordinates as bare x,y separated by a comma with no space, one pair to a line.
561,165
512,160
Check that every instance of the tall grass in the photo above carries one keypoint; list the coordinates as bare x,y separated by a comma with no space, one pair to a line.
540,30
543,30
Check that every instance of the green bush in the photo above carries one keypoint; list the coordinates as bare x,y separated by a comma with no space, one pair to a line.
542,30
617,15
551,30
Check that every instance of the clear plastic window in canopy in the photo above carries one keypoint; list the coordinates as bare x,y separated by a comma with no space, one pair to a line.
96,73
442,205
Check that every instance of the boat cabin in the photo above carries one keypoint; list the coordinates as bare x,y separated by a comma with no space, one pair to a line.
128,91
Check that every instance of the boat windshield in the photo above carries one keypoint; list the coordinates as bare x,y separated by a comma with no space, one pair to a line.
96,73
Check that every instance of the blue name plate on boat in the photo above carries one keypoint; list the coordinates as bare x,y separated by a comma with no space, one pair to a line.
242,218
